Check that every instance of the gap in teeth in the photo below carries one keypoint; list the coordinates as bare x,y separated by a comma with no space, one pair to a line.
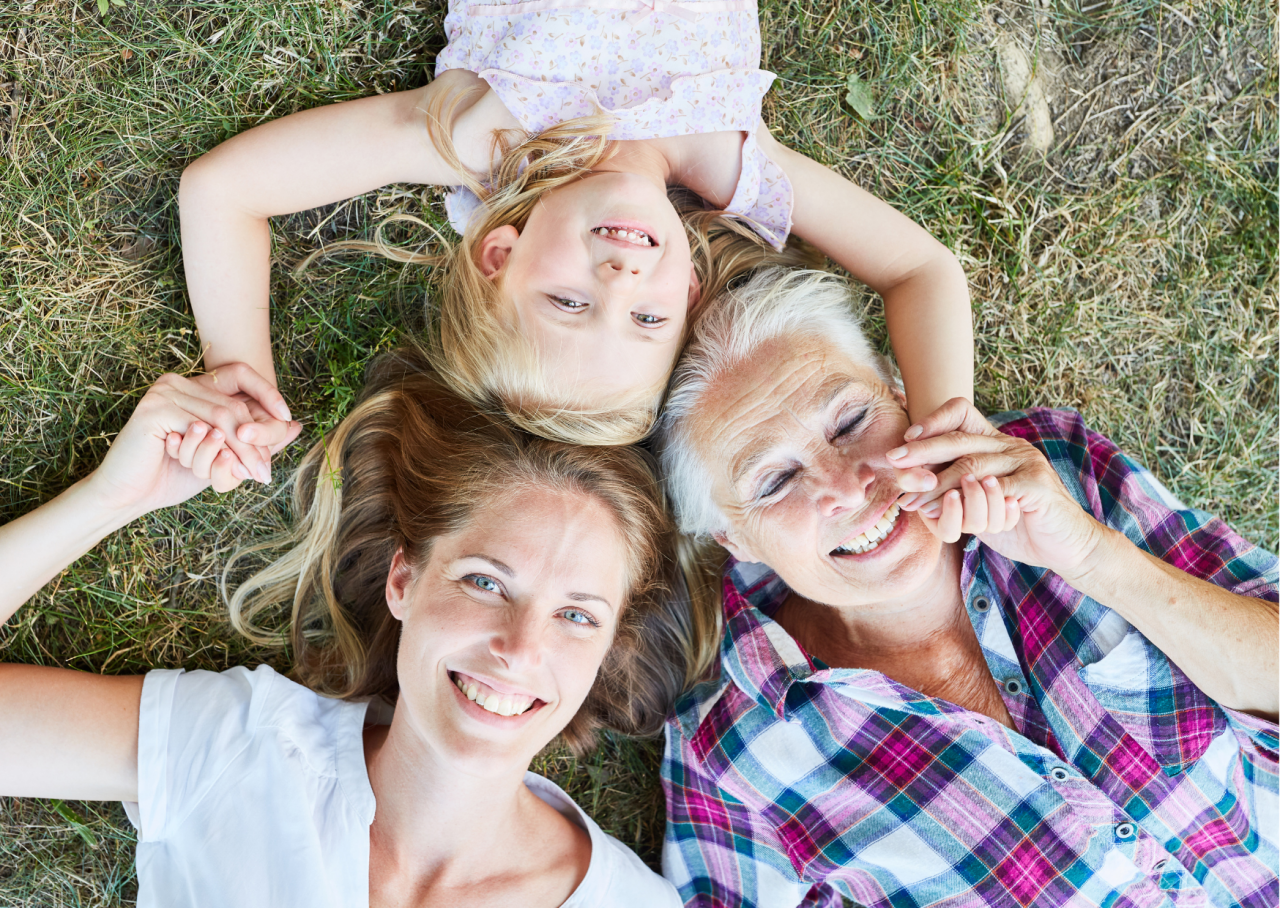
872,538
494,702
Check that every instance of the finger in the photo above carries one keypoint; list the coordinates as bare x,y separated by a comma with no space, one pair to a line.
265,431
944,449
295,429
995,504
172,442
956,415
235,378
951,516
227,414
975,505
195,434
227,471
916,479
206,452
1000,465
1012,513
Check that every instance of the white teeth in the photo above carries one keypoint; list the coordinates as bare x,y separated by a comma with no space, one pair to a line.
865,542
508,705
637,237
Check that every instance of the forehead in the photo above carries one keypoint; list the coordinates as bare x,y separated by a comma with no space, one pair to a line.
782,392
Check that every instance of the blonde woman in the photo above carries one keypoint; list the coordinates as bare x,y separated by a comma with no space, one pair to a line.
457,594
567,125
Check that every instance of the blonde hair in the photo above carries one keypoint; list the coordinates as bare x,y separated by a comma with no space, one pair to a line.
412,462
479,353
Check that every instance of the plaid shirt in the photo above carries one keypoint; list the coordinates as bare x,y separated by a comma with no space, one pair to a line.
791,783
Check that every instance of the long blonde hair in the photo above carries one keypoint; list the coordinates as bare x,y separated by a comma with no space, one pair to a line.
479,353
411,462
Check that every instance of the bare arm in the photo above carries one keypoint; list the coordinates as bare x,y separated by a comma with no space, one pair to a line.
298,162
1226,643
925,292
72,734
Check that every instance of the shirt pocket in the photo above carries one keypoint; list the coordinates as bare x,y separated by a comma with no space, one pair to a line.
1155,702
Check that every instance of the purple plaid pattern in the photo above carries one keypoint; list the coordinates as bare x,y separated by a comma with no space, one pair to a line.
790,783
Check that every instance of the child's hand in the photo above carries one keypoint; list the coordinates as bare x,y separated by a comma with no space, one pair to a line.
244,425
998,487
176,441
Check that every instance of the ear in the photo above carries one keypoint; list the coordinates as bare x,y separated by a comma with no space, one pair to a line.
496,248
399,584
695,289
737,549
898,394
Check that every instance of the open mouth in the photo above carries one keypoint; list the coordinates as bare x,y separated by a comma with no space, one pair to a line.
494,701
870,539
625,235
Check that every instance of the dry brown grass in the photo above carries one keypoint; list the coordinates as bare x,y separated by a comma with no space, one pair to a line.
1131,273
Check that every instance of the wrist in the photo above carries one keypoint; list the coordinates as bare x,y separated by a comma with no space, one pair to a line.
1090,574
106,508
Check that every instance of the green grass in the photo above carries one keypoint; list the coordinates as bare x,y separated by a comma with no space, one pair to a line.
1131,274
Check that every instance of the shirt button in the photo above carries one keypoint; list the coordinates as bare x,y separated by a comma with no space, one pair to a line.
1059,774
981,604
1013,686
1161,865
1125,830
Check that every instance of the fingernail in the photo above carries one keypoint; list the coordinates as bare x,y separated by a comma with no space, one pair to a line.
283,412
897,453
908,502
246,433
239,472
932,509
969,477
913,433
990,482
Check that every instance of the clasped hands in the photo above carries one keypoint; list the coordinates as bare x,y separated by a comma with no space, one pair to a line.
217,429
998,487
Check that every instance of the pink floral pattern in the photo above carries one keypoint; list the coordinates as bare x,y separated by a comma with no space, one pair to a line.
658,73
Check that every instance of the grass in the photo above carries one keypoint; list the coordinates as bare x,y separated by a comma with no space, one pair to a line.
1130,273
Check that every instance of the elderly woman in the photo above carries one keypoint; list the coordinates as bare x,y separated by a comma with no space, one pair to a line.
1037,679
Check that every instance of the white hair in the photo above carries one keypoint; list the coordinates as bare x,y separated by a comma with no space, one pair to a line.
776,303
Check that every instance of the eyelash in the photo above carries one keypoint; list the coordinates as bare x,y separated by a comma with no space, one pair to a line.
576,306
476,579
782,480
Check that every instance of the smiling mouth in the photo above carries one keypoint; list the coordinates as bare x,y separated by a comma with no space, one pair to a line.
625,235
871,539
491,700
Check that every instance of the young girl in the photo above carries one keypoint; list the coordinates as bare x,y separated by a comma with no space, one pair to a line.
470,593
567,124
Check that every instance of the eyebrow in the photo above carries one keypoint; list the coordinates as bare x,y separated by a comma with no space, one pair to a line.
504,569
748,460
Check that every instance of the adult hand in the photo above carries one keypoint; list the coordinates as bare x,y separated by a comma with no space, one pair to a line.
178,440
998,487
255,423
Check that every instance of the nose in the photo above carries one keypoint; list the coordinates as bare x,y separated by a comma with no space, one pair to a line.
517,641
842,484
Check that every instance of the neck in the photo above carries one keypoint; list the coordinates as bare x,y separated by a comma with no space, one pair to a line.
434,825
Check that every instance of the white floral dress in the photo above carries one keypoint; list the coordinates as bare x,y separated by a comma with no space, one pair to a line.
660,68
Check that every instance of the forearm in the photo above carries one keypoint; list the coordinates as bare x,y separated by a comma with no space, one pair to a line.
37,546
1225,643
925,292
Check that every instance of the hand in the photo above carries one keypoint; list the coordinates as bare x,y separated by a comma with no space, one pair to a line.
247,425
139,475
998,487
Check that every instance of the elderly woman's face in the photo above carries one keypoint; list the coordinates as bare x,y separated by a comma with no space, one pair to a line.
796,444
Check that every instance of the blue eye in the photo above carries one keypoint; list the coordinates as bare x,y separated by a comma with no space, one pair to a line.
488,584
579,617
571,305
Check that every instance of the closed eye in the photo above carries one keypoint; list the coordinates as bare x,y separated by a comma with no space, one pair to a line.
850,424
774,483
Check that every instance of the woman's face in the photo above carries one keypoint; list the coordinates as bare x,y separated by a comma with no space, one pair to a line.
506,625
796,442
601,281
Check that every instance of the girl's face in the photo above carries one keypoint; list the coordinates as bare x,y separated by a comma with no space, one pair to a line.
505,627
601,281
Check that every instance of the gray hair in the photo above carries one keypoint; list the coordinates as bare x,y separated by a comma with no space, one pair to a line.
776,303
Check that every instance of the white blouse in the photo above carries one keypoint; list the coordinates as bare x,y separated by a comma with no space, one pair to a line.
252,790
